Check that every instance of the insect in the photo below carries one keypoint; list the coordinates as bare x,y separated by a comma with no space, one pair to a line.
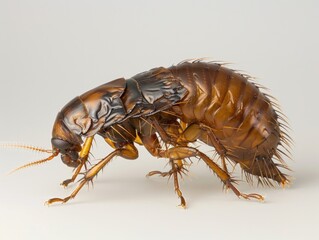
167,110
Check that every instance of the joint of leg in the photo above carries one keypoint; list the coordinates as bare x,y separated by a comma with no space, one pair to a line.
178,192
129,151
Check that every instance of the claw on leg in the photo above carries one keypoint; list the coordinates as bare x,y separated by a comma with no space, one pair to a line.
127,151
64,200
54,200
179,168
89,175
162,174
66,182
176,170
180,195
259,197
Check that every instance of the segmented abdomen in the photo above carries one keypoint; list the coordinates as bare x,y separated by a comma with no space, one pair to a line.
239,114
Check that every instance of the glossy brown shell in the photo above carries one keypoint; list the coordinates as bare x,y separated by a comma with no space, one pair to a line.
243,118
234,115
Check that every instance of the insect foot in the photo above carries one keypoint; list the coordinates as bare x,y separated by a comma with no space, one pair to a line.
259,197
180,195
54,200
66,182
162,174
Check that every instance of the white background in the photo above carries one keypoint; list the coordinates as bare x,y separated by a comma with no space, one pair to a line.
52,51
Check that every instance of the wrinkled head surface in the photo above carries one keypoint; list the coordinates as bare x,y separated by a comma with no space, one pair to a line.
64,140
84,116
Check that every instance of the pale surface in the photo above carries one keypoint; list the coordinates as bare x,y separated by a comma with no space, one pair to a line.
51,51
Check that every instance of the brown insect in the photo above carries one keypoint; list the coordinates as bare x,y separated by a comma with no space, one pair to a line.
167,110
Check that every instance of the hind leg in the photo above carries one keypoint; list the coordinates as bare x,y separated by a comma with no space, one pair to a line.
182,151
200,131
186,152
208,137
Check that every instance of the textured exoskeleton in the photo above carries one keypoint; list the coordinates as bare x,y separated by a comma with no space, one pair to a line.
166,110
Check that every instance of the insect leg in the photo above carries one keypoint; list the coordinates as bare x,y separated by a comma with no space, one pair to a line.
176,169
176,184
163,133
128,151
83,158
185,152
179,168
169,134
199,131
211,139
151,143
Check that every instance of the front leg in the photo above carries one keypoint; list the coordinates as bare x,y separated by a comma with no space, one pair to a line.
127,151
88,177
83,158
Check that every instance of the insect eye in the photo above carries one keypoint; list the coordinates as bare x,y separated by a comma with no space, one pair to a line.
60,144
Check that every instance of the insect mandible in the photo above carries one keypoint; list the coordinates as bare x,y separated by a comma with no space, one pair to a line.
168,109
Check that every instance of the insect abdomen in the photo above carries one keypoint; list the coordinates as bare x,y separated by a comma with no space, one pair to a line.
240,116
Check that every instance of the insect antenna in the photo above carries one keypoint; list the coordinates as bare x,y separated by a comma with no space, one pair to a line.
23,146
54,154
